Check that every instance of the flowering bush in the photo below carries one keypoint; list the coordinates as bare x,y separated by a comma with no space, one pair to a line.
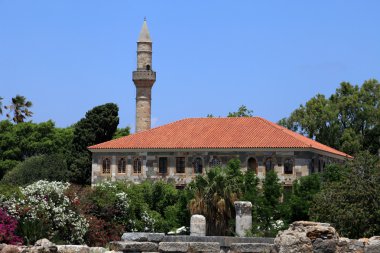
45,211
101,232
8,225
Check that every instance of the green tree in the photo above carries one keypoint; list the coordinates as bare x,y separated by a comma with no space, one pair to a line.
300,201
19,108
349,120
352,203
44,167
243,111
20,141
214,197
98,125
120,132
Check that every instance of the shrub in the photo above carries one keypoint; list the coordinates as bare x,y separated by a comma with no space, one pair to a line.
8,226
45,211
44,167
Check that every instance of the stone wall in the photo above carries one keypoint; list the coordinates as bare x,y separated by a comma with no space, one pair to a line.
150,164
301,237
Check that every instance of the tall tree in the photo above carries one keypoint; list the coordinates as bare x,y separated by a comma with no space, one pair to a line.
349,120
19,108
98,125
352,203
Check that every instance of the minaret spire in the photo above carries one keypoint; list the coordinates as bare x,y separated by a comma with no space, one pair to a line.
144,78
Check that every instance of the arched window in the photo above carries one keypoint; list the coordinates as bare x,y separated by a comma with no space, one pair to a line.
252,165
288,166
121,166
106,166
198,166
137,166
148,67
215,162
269,164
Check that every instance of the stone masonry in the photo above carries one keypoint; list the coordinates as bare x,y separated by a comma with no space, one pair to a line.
144,78
243,210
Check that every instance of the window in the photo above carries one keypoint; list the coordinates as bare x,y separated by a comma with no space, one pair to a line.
288,166
121,166
215,162
269,165
252,165
162,165
148,67
106,166
137,166
311,166
198,166
180,165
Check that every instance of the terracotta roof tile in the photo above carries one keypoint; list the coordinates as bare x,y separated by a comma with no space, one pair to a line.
216,133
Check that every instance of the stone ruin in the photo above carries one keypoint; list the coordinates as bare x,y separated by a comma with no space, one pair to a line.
300,237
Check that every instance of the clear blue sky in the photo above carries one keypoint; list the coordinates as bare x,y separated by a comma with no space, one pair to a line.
210,56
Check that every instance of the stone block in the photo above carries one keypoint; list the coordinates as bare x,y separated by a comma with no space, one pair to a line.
324,246
243,211
251,248
97,250
373,245
173,246
10,249
131,246
73,249
143,237
197,225
211,247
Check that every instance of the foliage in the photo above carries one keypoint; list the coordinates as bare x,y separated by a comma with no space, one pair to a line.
20,141
349,120
98,125
300,201
44,167
352,203
8,226
101,232
44,211
214,196
19,108
243,111
120,132
268,206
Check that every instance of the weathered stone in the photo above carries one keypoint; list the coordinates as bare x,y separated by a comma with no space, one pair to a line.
130,246
197,225
213,247
173,246
143,237
44,243
97,250
73,249
250,247
324,246
243,217
10,249
373,245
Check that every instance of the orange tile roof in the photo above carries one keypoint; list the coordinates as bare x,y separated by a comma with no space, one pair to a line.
217,133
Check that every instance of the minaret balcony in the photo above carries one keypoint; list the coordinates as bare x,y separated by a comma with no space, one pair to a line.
144,75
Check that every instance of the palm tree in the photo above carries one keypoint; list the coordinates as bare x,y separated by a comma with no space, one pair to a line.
20,107
214,197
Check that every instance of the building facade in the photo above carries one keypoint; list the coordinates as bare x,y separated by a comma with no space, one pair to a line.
179,151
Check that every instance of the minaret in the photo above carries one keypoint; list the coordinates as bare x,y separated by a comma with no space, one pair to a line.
144,78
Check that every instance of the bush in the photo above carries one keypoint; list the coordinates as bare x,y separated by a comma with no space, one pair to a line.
44,167
8,226
45,211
